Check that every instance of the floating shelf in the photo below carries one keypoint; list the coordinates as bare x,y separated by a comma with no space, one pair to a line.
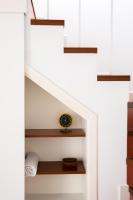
113,78
42,133
55,167
47,22
80,50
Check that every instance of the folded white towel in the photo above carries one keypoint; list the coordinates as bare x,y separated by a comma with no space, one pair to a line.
31,164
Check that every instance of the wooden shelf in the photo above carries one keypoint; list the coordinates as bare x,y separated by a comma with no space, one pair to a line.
46,133
55,167
113,78
80,50
48,22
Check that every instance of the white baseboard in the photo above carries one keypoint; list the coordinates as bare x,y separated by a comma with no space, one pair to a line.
124,193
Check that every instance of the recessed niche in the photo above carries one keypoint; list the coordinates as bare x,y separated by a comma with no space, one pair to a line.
42,112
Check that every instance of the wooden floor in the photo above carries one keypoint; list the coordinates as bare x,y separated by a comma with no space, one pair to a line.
54,197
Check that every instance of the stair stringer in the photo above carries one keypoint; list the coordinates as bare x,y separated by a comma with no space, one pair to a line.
91,127
58,93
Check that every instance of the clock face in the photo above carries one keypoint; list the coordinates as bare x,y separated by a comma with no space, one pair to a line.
65,120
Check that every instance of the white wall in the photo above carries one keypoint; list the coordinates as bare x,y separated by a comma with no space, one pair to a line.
123,38
12,106
87,23
104,24
95,30
112,138
41,8
14,6
56,184
43,110
59,10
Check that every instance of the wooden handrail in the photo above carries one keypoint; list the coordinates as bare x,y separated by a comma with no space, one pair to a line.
33,8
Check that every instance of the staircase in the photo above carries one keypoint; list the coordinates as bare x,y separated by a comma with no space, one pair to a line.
130,149
70,75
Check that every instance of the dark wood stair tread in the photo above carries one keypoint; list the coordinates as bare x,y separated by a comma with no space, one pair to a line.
130,104
80,50
40,133
130,161
131,190
55,167
50,22
130,171
113,78
130,118
130,132
130,147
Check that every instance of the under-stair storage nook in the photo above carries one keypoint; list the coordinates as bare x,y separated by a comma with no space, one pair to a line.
43,136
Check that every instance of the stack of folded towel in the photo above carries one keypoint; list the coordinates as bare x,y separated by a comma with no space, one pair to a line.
31,164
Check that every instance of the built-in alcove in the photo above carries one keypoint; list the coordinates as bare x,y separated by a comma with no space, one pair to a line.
42,112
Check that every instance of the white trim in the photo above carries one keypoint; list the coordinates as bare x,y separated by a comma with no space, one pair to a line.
92,158
131,96
48,10
124,193
13,6
79,28
112,21
91,134
58,93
